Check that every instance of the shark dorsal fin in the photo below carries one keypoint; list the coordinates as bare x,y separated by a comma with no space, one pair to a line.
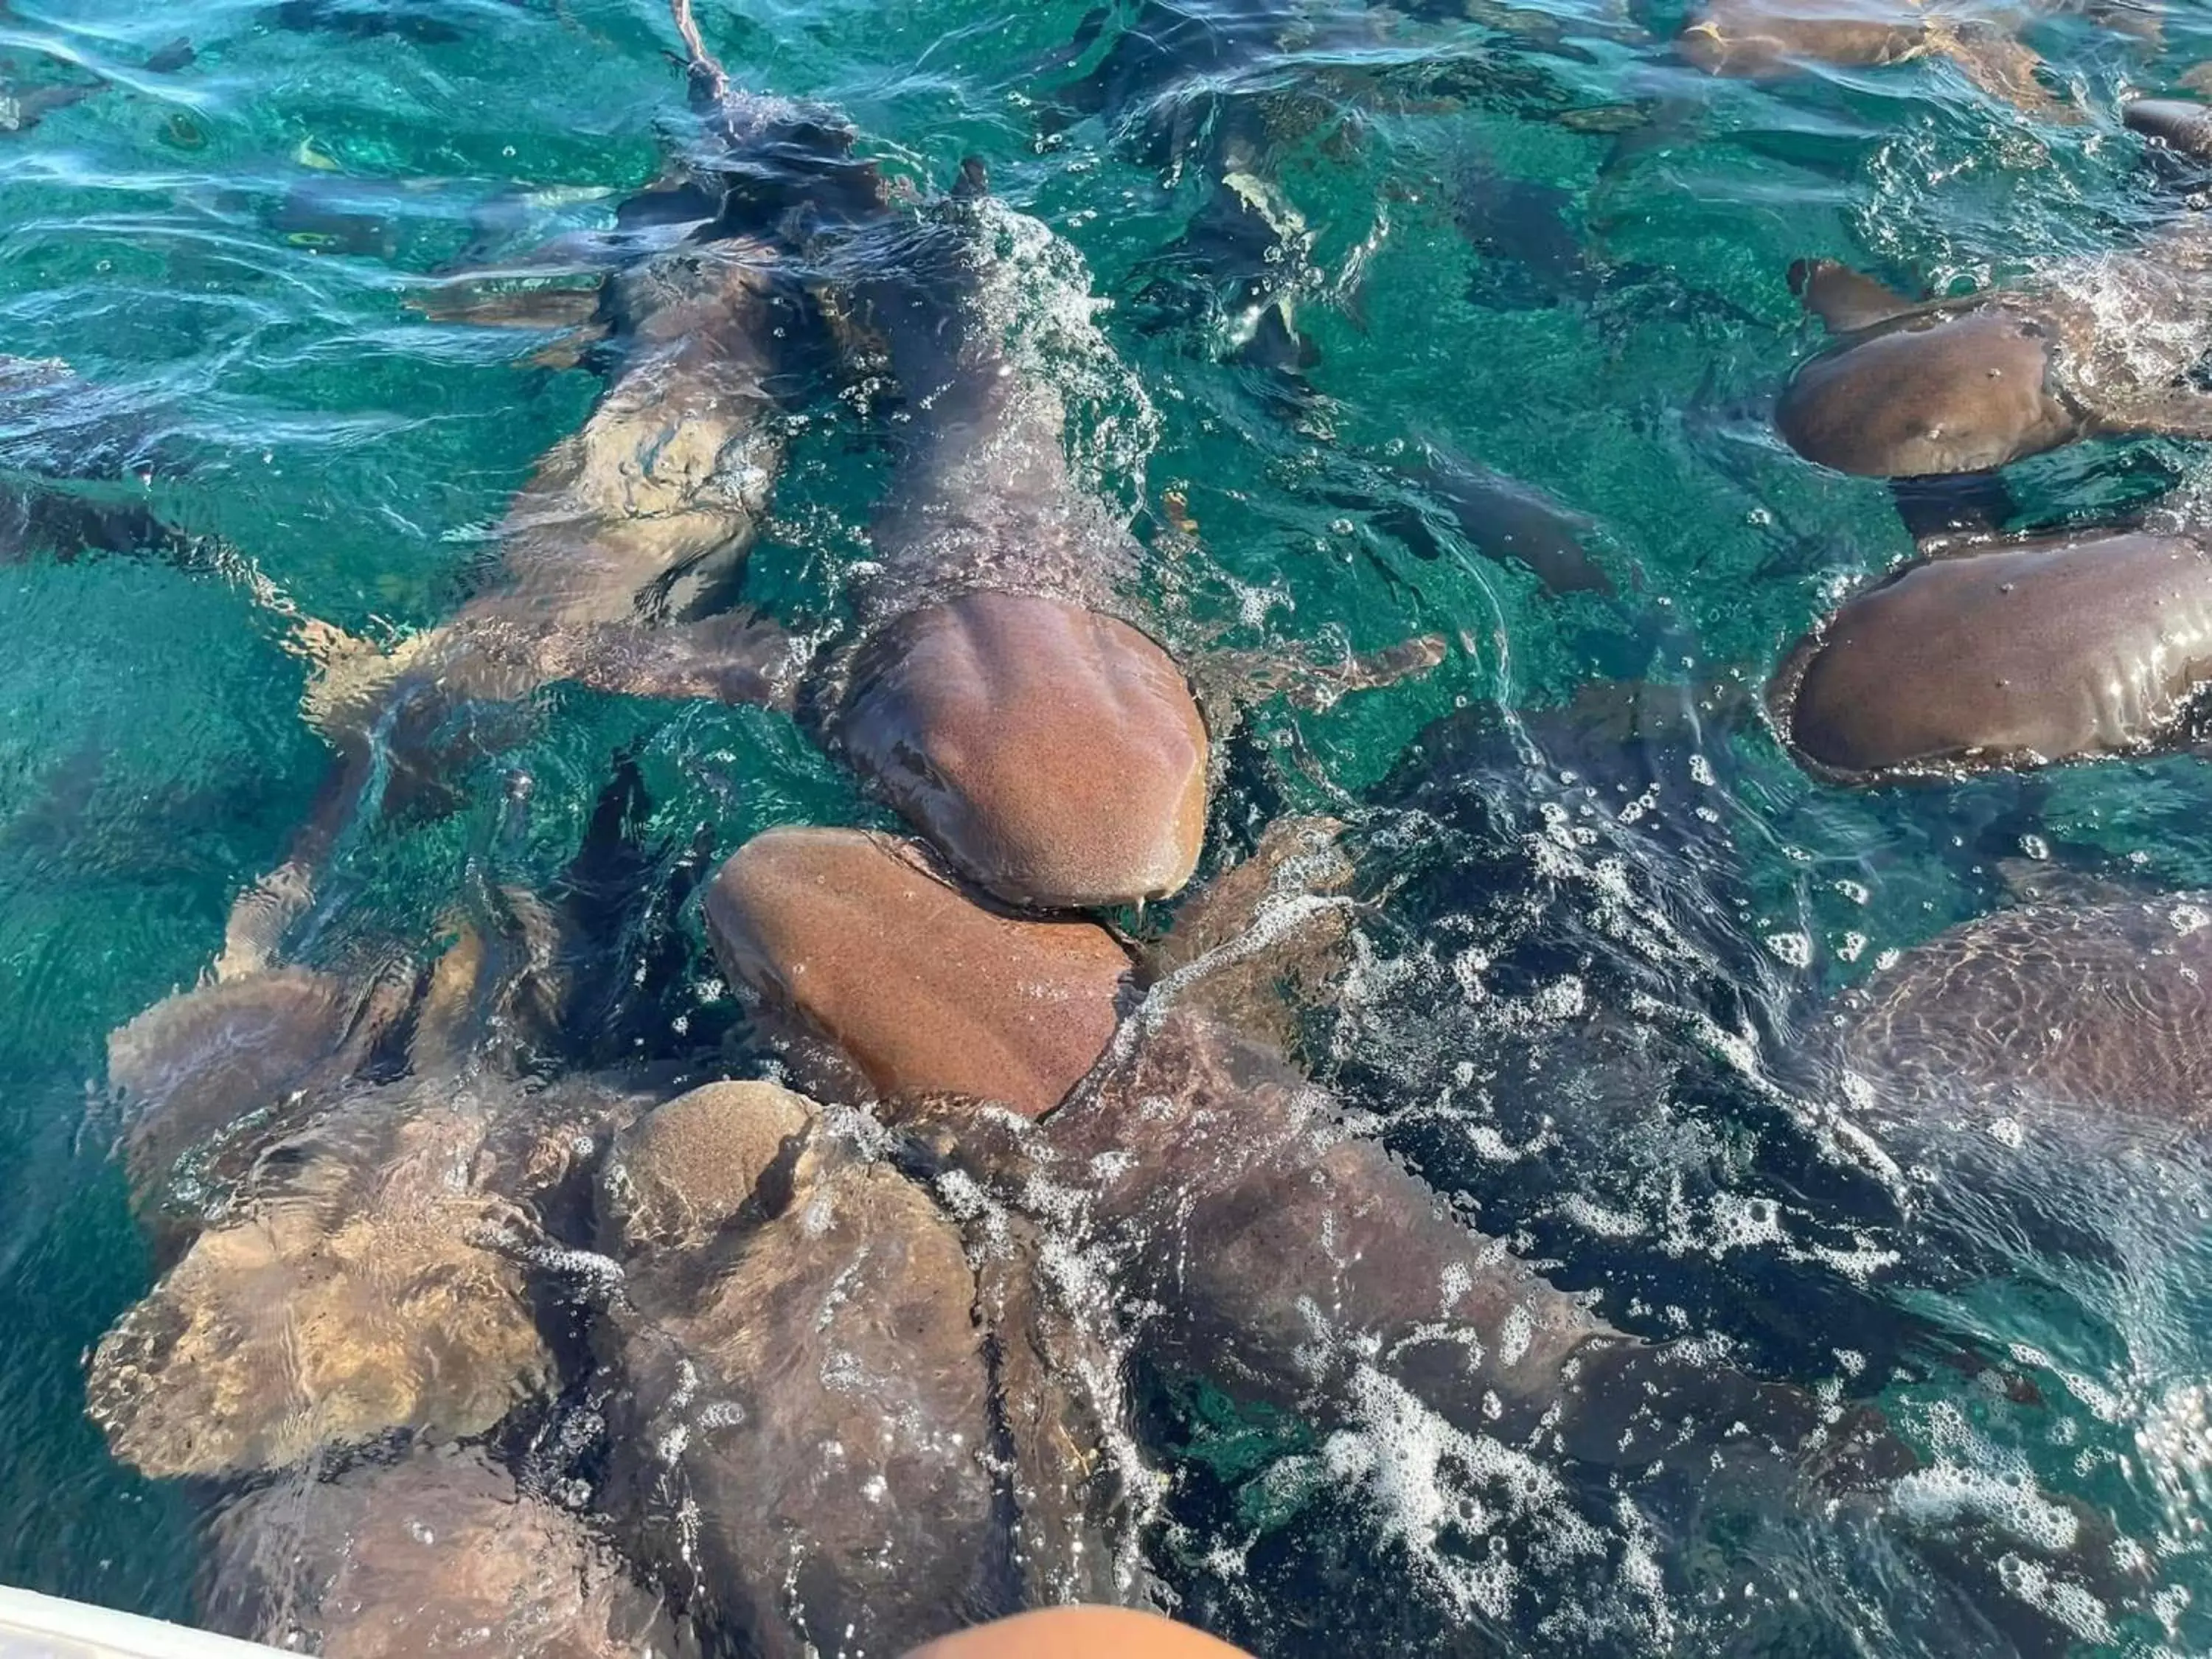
1843,298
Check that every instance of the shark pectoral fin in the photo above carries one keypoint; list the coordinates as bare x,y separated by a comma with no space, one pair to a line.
566,351
2177,411
1994,60
2142,20
1321,684
1046,1366
1269,941
1973,506
1843,298
1275,344
466,301
737,657
571,315
261,917
1307,681
351,677
1408,660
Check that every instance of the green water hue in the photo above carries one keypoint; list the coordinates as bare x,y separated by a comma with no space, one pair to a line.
161,238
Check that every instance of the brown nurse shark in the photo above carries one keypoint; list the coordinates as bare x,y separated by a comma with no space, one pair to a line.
621,531
820,1424
359,1265
2087,1014
983,1003
2091,347
1766,38
2006,653
1220,1195
443,1552
1007,699
1050,748
2179,124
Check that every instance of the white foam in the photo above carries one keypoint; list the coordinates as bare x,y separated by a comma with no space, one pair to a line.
1947,1492
1436,1489
1970,1479
2173,1437
1794,948
1592,1217
2072,1605
1037,288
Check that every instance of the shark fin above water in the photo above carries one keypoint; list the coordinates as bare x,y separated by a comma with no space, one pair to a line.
1845,299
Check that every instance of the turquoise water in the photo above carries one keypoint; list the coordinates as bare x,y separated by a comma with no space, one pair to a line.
1536,238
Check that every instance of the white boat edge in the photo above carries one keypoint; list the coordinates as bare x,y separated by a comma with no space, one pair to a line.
34,1627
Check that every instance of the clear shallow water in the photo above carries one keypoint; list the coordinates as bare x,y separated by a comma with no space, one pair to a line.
1552,247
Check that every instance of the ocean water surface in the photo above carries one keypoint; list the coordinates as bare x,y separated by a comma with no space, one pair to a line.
1607,909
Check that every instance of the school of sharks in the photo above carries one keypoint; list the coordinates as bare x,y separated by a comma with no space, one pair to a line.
465,1343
